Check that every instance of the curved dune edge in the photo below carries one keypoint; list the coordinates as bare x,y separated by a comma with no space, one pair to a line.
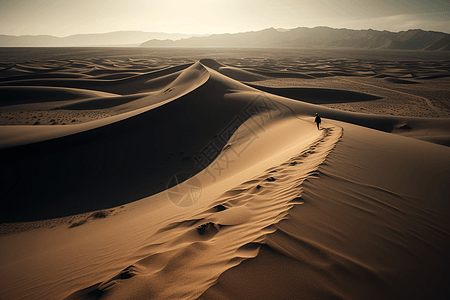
132,151
187,81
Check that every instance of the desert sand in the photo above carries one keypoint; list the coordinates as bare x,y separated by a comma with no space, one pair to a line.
199,174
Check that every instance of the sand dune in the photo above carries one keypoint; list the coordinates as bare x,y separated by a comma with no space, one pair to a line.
209,179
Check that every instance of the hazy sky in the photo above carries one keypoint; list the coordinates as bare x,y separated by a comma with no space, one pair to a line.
66,17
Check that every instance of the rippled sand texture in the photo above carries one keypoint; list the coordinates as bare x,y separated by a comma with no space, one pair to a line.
182,176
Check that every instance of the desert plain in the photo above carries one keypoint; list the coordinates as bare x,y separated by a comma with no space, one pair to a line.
165,173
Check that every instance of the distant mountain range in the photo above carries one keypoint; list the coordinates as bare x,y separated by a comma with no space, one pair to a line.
118,38
318,37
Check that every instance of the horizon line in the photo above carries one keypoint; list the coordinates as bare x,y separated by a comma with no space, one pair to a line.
209,34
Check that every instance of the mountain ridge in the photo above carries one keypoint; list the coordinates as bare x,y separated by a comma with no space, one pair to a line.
318,37
115,38
300,37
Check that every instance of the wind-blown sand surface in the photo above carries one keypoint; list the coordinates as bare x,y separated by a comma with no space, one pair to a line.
183,177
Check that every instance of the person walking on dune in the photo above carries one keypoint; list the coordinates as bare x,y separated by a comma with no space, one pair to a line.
317,120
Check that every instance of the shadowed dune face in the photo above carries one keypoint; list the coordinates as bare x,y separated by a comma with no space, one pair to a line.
181,177
130,156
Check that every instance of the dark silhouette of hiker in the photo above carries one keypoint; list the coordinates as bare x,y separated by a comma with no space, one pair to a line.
317,120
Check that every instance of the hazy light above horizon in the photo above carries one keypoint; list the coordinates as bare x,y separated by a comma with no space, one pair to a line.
63,18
